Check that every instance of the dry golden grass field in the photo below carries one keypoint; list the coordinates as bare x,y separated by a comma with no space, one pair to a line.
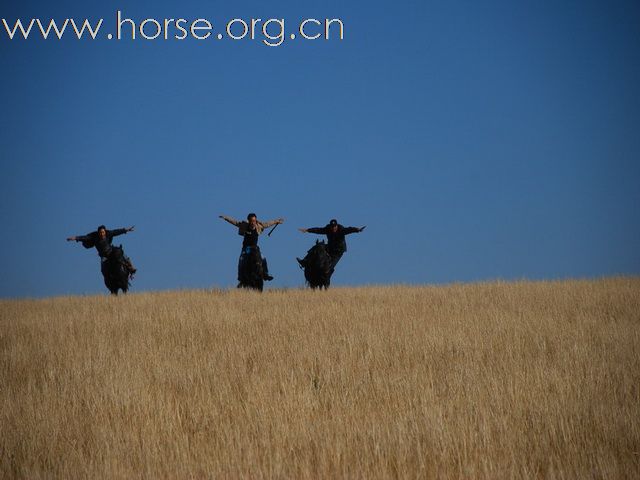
492,380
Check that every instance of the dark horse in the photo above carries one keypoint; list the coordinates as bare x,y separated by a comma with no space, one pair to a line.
317,270
115,271
251,271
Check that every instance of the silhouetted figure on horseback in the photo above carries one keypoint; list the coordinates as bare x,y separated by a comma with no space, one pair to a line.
252,268
317,266
115,266
315,263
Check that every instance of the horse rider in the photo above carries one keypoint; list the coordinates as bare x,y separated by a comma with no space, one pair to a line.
336,243
101,239
250,230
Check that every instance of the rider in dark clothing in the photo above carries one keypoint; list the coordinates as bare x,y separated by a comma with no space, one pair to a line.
250,231
336,243
101,239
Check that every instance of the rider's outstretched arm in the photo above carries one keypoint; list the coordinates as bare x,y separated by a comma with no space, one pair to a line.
271,222
78,238
348,230
88,241
317,230
120,231
232,221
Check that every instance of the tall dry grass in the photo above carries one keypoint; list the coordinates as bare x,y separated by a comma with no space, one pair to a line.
497,380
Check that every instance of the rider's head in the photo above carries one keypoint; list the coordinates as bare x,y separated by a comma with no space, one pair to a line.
252,219
102,231
333,225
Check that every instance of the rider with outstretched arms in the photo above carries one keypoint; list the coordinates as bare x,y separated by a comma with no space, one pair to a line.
250,230
336,243
101,239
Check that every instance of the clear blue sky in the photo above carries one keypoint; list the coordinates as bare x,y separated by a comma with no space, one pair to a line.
476,140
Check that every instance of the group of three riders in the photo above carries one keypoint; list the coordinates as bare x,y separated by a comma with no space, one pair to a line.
250,230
